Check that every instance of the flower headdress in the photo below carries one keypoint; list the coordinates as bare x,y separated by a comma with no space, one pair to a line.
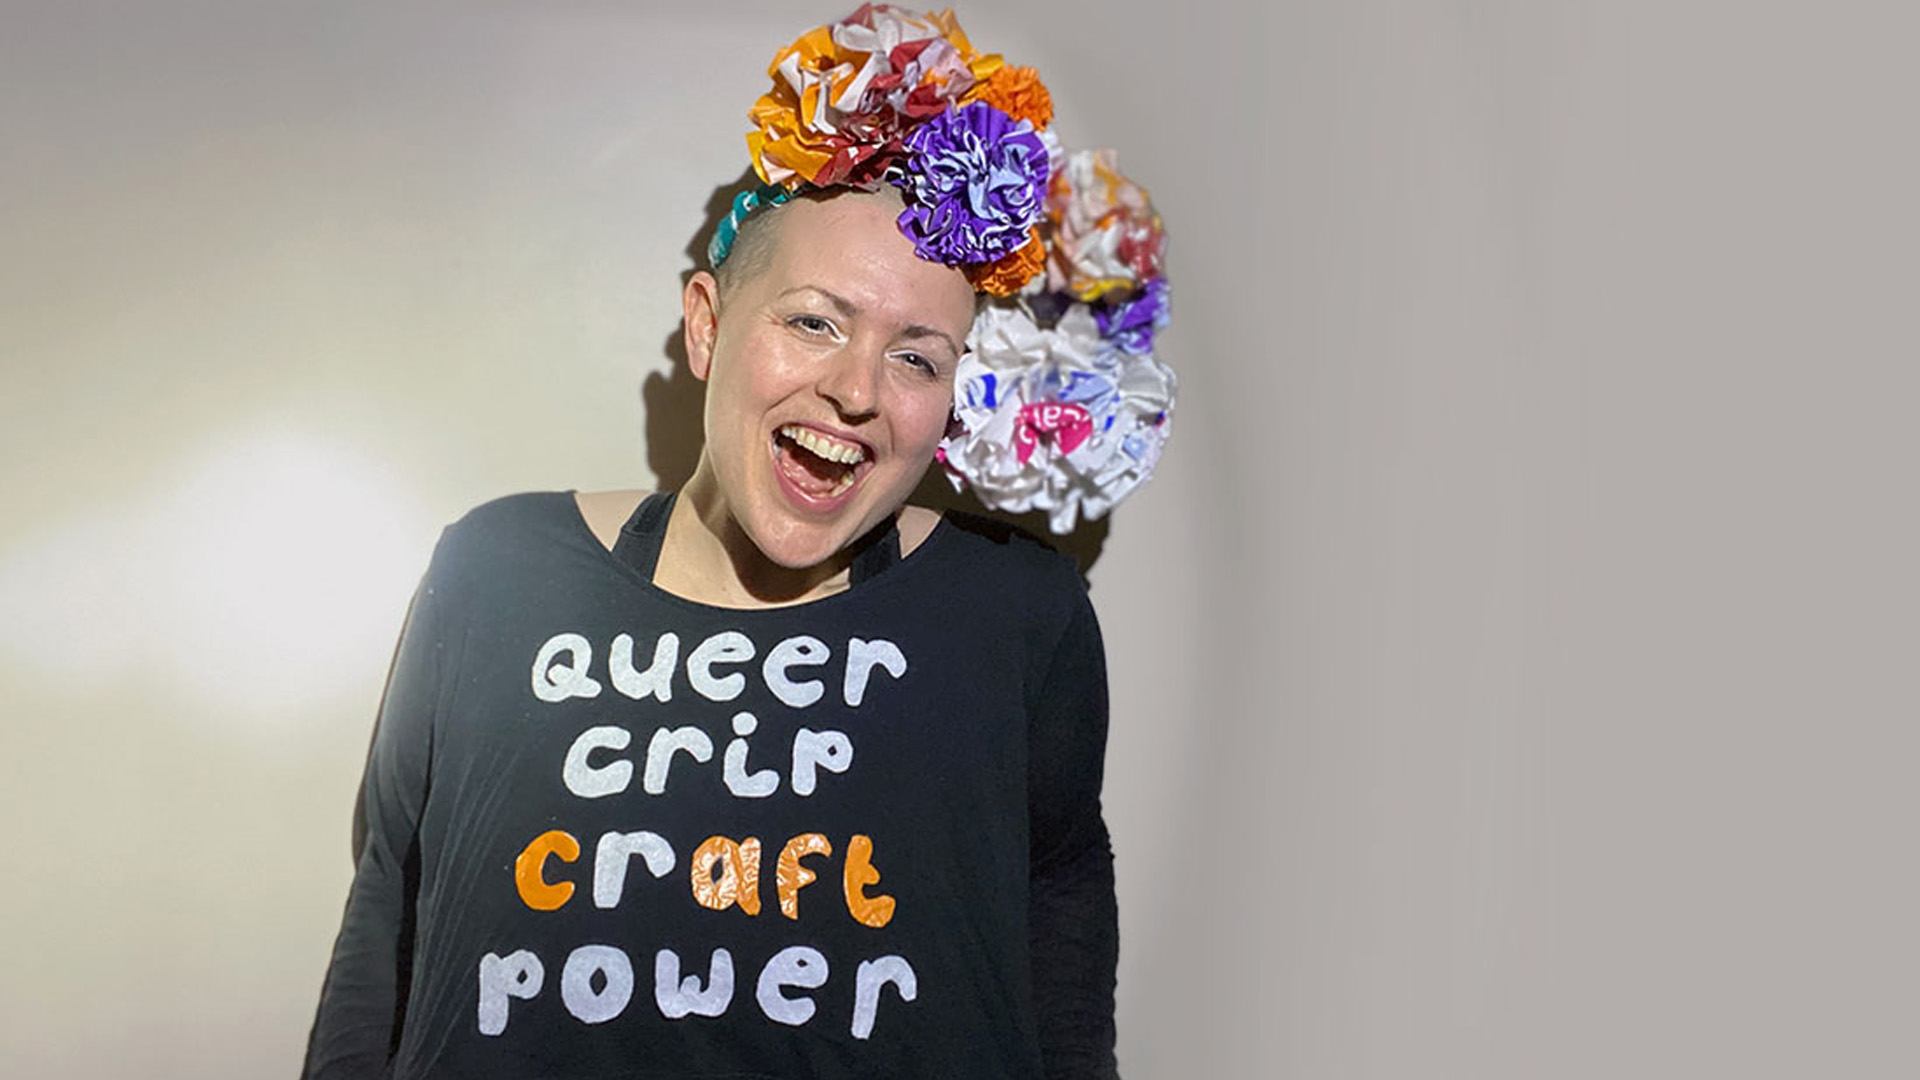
1060,403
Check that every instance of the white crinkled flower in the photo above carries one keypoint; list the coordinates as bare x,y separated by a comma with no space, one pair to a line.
1055,419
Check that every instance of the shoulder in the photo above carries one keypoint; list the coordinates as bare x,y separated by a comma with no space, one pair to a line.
1005,585
509,513
511,529
997,557
1003,541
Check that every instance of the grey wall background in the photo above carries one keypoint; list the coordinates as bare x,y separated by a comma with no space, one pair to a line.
1513,659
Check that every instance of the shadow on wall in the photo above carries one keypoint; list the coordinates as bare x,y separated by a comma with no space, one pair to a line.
674,402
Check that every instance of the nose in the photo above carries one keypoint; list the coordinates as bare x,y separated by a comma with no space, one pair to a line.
850,379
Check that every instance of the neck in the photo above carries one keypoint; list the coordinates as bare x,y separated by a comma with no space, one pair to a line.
707,556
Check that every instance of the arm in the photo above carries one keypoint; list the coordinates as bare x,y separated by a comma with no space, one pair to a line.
1073,921
363,1002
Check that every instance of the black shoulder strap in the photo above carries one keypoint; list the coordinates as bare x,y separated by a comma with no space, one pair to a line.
639,542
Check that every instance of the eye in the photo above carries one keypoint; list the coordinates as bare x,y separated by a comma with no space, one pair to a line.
815,325
924,363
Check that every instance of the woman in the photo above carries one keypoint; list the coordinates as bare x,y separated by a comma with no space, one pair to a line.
777,776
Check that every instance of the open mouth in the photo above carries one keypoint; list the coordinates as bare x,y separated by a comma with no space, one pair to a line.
818,465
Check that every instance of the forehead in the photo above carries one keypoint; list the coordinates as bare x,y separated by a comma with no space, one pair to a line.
851,246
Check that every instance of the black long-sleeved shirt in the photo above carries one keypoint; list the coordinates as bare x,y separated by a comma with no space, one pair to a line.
610,832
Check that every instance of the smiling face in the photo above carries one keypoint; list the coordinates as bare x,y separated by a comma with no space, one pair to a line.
829,376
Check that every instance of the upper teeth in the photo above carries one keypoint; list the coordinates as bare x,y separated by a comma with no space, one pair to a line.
829,448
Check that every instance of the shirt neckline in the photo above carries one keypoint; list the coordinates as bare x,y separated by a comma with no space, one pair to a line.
577,523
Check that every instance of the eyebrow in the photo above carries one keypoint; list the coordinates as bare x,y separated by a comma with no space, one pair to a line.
849,309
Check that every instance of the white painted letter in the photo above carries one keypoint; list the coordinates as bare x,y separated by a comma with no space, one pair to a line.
725,647
829,750
657,680
793,966
679,999
862,657
757,785
588,782
802,651
576,983
874,974
610,862
558,683
660,754
518,975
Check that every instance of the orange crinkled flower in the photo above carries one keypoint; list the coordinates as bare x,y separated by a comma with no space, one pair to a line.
845,95
1011,272
1018,92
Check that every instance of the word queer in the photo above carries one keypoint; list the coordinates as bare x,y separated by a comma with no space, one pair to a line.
562,668
521,975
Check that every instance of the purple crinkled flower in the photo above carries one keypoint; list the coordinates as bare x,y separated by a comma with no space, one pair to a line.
975,181
1130,325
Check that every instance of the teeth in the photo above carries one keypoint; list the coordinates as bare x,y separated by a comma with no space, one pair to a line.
831,449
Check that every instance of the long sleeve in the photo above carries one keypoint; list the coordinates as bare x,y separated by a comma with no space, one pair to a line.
1073,918
363,1001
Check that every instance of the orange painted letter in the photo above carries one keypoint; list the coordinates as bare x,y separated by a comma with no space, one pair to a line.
539,894
875,911
739,881
789,875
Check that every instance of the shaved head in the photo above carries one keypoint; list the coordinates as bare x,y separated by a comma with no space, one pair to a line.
753,246
759,232
758,237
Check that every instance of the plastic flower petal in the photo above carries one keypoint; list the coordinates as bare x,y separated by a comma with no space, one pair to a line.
1055,419
1131,324
845,95
1106,235
932,63
975,181
1018,92
1010,273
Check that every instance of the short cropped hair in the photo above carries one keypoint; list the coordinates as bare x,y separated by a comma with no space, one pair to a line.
753,246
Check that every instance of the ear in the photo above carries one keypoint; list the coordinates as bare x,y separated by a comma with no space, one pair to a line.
700,310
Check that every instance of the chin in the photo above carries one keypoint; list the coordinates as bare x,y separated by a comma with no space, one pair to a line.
802,545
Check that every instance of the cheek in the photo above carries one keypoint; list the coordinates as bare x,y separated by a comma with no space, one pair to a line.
751,381
922,420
